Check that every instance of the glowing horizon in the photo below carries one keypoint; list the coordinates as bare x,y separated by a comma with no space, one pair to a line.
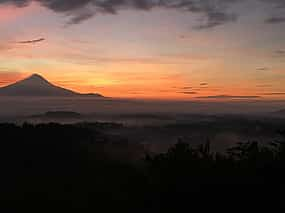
156,52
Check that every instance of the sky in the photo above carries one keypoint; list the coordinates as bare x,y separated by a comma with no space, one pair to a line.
161,49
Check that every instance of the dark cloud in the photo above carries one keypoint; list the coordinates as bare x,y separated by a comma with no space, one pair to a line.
229,97
31,41
275,20
204,84
188,93
215,12
280,52
274,93
187,88
64,5
18,3
279,4
217,18
84,15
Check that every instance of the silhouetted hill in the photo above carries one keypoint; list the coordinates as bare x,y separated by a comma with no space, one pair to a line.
36,85
75,168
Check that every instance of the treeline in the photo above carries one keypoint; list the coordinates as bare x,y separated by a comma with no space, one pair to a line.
53,167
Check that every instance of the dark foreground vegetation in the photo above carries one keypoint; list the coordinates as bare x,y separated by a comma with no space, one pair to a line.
66,168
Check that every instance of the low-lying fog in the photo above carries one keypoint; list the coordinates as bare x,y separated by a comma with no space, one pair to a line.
158,124
11,106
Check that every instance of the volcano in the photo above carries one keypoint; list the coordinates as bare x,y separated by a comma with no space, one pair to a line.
36,85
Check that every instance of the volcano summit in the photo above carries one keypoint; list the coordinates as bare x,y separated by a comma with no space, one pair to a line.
36,85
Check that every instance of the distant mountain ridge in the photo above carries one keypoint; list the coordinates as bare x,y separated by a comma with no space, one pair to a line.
36,85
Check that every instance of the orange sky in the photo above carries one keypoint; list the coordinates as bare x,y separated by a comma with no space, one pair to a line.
144,54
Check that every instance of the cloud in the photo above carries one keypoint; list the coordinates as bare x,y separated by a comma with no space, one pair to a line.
18,3
280,52
188,93
217,18
279,4
84,15
203,84
229,97
274,93
187,88
262,69
31,41
9,45
215,12
275,20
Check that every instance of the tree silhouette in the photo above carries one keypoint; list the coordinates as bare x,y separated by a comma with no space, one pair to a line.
53,167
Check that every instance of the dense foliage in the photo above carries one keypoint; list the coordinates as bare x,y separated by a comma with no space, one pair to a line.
53,167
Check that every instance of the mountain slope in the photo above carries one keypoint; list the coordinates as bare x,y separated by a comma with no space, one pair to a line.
36,85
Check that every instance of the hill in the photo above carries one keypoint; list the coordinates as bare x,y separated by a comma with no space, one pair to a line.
36,85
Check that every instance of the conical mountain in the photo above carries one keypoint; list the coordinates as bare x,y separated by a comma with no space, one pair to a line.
36,85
